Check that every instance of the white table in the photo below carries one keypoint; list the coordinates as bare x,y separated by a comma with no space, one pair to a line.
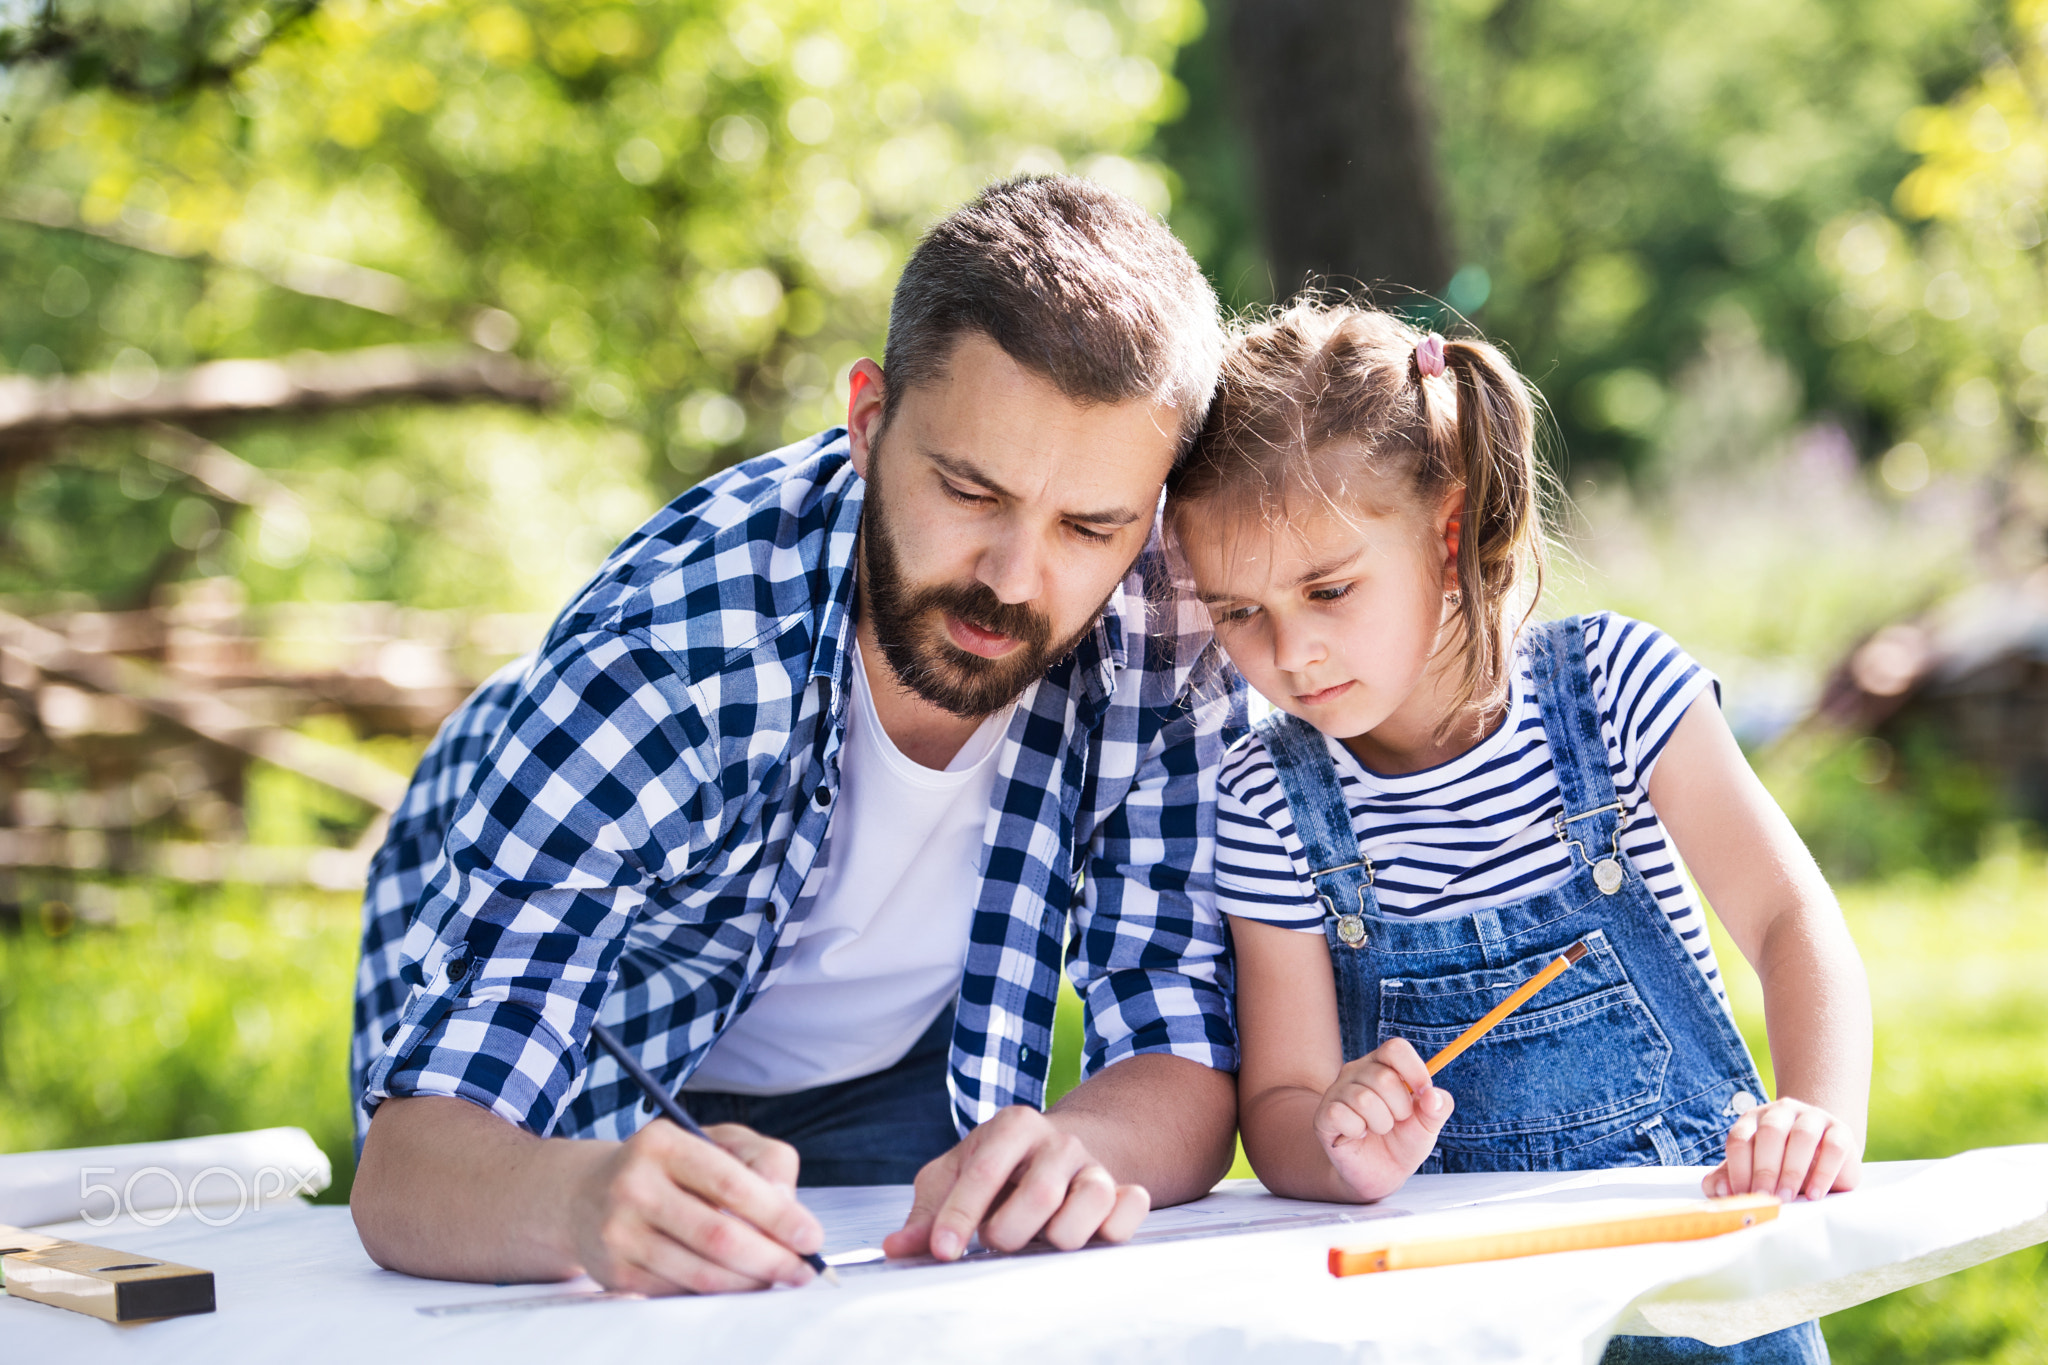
294,1284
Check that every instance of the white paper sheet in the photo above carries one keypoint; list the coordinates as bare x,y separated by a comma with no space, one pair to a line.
260,1167
294,1284
856,1221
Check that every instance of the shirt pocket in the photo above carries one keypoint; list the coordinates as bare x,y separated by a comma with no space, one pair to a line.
1581,1057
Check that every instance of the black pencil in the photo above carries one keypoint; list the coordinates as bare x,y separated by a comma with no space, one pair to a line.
676,1114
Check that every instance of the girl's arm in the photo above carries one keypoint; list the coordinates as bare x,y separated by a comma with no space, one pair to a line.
1314,1127
1759,879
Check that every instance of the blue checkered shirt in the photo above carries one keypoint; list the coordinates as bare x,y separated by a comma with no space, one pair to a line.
622,826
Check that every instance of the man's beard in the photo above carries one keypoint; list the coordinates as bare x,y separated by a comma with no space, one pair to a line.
910,626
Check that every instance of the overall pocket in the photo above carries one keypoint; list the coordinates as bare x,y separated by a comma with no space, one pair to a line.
1584,1054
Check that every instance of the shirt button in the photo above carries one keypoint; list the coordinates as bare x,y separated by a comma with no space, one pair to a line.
821,797
718,1020
1023,1054
769,911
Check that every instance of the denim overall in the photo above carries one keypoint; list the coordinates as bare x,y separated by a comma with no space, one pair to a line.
1627,1059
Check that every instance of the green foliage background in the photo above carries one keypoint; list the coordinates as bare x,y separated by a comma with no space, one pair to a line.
1778,267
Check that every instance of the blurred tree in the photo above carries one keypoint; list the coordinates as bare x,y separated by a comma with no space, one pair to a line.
1941,308
690,210
1633,190
1638,186
157,49
1208,159
1346,172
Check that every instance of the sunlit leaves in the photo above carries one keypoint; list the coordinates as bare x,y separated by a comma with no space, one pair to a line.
692,210
1941,302
1628,171
151,48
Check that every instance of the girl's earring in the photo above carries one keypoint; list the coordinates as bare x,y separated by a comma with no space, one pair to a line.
1454,598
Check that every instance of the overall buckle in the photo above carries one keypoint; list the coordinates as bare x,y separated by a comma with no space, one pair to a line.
1607,874
1350,927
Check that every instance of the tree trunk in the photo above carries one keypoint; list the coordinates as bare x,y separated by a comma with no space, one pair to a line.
1340,145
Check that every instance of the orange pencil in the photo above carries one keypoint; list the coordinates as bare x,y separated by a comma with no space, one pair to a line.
1506,1007
1670,1223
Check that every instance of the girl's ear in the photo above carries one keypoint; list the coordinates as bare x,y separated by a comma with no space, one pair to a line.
864,390
1450,525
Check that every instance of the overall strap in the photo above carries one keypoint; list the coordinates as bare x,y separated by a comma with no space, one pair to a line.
1341,871
1592,815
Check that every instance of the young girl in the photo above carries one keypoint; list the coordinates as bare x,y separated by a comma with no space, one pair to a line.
1449,797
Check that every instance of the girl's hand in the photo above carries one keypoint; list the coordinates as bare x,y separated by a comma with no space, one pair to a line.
1380,1119
1789,1148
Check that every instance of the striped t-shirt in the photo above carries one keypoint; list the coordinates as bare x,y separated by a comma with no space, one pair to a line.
1476,830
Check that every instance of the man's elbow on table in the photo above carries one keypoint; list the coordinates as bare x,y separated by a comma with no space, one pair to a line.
1164,1122
447,1190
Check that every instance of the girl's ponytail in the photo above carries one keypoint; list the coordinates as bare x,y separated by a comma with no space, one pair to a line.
1500,540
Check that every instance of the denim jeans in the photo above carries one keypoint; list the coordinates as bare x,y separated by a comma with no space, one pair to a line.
1801,1345
877,1129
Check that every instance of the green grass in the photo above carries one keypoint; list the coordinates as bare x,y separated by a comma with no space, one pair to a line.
183,1012
1959,976
194,1011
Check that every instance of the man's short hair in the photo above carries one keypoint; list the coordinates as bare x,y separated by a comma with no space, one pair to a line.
1076,283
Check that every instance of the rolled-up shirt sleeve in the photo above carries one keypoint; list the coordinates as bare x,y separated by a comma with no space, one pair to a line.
579,811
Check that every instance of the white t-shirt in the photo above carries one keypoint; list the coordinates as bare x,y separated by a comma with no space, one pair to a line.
880,952
1476,830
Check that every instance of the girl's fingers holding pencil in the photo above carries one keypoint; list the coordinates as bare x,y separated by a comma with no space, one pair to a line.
1400,1055
1338,1121
1366,1096
1433,1108
1396,1091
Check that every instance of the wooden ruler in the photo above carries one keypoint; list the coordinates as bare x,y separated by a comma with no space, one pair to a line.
1666,1223
117,1286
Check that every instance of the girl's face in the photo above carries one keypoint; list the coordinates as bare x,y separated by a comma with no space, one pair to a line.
1340,619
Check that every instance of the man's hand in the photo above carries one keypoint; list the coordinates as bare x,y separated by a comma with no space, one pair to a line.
1789,1148
668,1213
1379,1120
1014,1178
449,1190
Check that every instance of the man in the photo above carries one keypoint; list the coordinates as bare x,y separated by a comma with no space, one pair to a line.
806,794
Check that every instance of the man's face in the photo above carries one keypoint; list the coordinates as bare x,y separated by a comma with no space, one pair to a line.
1000,516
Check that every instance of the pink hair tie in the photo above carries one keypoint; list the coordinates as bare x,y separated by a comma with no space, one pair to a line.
1429,356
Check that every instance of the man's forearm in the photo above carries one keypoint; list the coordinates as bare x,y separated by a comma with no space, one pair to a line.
1163,1122
451,1191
